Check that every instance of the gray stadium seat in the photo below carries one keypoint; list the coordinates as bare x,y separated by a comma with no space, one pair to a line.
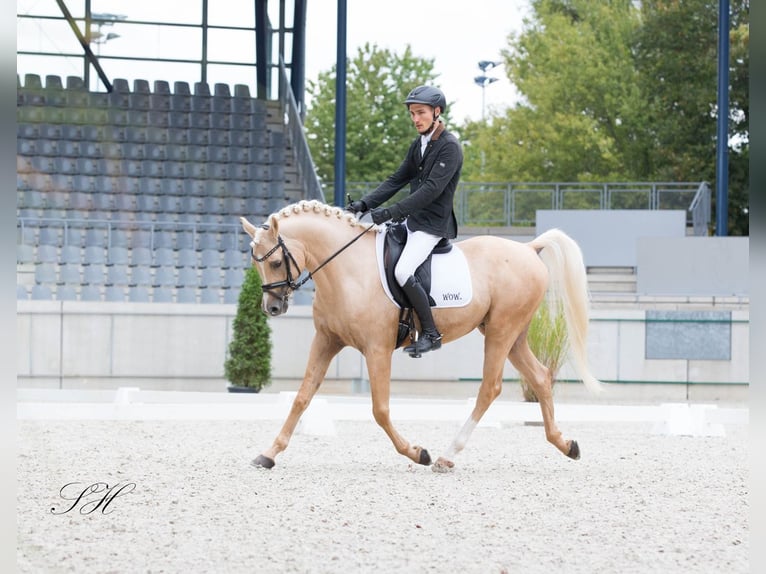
186,258
41,292
185,239
25,253
117,275
118,255
94,255
187,277
90,293
162,295
66,293
209,258
69,274
139,294
186,295
231,296
141,238
47,254
169,204
164,277
163,257
233,277
141,256
211,277
210,296
21,292
74,237
163,239
235,259
119,237
70,254
49,236
114,293
141,275
96,237
45,273
93,275
208,240
181,97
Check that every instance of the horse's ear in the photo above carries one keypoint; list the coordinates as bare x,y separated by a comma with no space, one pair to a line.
248,227
273,226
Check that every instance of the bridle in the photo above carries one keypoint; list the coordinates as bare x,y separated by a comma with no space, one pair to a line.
289,284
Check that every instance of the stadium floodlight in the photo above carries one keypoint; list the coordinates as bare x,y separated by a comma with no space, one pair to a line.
486,65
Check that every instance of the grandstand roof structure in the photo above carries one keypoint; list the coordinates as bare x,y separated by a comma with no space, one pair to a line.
239,41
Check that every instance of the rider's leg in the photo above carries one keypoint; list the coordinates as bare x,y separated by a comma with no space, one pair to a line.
419,246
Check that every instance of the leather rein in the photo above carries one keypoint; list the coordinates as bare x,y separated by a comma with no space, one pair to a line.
289,284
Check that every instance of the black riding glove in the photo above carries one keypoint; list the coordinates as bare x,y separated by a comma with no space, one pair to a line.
383,214
358,206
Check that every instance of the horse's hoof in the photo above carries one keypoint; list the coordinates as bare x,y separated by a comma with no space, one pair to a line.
574,450
443,465
263,462
425,458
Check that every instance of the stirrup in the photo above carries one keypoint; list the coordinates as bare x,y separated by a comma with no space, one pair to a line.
424,344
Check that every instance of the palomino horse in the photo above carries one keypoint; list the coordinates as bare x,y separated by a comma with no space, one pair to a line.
509,281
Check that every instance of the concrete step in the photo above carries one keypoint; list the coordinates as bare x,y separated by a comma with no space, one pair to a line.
611,280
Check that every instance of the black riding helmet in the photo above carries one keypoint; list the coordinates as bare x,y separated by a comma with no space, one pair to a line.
427,95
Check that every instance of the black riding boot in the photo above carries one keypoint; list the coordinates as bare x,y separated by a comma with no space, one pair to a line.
430,339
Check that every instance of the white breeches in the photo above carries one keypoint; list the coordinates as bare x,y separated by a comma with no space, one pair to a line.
419,246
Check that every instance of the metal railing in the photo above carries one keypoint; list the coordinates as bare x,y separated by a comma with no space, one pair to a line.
516,203
700,210
296,138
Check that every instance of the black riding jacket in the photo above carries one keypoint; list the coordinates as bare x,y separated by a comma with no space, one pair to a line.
433,179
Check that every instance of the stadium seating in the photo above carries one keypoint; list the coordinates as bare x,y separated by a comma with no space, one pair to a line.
135,194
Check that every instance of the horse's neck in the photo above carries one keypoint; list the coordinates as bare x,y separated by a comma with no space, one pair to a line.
323,238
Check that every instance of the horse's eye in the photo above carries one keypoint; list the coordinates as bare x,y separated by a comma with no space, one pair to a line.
276,264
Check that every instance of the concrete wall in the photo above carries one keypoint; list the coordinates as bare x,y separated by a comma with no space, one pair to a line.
693,266
183,347
609,237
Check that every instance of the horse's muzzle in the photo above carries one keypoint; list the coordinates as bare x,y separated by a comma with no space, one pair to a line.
274,306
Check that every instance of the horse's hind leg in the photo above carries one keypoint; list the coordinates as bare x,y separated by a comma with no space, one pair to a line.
323,348
539,378
495,353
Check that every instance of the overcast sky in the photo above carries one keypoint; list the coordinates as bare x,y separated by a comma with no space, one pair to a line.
455,33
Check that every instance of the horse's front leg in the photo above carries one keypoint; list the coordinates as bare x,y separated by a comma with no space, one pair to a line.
379,369
491,386
323,348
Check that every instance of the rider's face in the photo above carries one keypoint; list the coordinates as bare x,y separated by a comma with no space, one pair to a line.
423,117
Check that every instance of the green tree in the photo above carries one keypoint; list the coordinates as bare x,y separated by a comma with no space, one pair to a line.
378,128
677,59
618,91
581,109
249,360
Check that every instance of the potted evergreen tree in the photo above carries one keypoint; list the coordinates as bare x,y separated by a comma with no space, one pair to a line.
248,366
547,338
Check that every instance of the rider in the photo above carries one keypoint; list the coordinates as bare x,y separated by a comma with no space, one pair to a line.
432,168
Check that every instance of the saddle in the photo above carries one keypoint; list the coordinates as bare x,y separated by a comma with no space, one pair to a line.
395,240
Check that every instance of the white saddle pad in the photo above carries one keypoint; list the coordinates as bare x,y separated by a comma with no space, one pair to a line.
450,277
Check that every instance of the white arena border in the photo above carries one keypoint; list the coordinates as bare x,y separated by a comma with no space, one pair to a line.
131,403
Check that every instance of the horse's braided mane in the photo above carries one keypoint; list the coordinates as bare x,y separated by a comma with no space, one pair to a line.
314,206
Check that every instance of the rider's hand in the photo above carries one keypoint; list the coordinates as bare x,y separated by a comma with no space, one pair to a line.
383,214
380,215
357,206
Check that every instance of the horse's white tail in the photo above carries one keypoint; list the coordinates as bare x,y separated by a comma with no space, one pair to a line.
569,285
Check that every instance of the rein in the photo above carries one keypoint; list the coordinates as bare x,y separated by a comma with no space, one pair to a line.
288,282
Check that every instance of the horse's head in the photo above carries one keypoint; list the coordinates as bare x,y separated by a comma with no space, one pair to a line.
278,265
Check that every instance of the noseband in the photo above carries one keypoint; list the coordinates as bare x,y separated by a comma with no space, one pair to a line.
289,284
